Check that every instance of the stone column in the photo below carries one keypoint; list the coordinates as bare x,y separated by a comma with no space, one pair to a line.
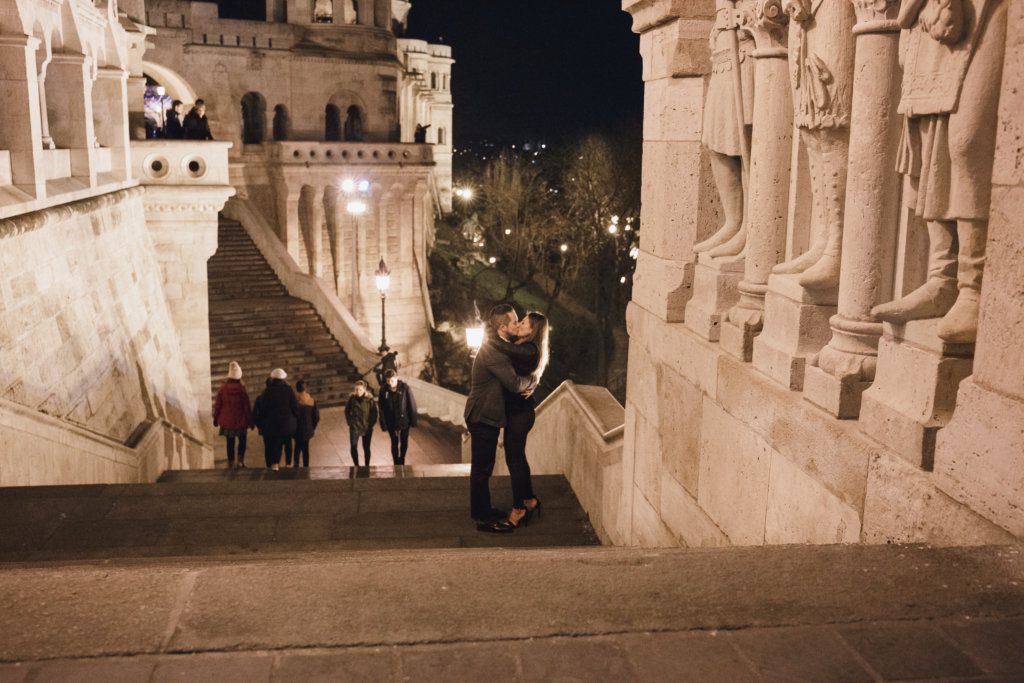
287,202
365,12
333,205
768,187
71,125
183,223
846,366
21,132
382,13
311,219
111,91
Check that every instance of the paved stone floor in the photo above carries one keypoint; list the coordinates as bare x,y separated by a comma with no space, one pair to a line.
430,443
587,614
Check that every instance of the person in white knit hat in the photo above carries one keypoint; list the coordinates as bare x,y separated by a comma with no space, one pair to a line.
232,412
276,414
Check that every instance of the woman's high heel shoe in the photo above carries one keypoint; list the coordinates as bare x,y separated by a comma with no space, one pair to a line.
530,512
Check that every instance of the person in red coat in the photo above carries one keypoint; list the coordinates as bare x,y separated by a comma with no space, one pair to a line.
232,412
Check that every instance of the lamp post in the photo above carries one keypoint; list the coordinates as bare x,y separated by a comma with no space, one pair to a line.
383,278
162,92
475,332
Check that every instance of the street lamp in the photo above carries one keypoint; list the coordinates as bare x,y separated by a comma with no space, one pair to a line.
383,278
475,332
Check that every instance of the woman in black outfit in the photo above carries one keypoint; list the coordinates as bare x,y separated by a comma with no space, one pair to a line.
529,356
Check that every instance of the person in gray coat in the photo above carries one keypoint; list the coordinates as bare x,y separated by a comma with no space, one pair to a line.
492,374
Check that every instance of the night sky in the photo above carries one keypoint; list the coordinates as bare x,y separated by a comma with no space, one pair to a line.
533,69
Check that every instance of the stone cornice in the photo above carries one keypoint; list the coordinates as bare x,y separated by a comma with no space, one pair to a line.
30,222
186,198
876,16
650,14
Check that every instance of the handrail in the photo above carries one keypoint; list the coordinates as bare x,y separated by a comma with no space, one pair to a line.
569,387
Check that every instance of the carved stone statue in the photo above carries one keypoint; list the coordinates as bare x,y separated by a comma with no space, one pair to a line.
724,136
821,75
952,54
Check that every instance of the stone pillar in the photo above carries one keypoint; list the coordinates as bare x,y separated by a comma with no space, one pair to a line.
110,90
366,12
21,132
979,457
183,223
768,187
333,206
382,14
311,219
846,366
287,202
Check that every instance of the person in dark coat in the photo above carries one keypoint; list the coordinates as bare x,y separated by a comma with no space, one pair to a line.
233,413
174,129
276,414
361,416
397,414
196,126
308,419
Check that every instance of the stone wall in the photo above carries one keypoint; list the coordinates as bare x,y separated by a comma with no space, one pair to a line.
766,402
87,338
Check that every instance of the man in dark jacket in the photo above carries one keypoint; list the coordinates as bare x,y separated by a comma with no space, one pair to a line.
276,414
485,409
361,416
397,414
173,129
196,126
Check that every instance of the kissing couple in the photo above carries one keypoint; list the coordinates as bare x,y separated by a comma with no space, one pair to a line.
506,372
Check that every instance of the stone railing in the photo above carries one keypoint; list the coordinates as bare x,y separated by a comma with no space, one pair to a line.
349,153
345,328
578,434
437,402
181,162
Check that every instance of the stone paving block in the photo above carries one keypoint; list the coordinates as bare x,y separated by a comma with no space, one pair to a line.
354,665
808,654
997,646
42,510
908,651
14,673
239,531
249,667
305,528
698,657
494,662
110,670
570,659
122,533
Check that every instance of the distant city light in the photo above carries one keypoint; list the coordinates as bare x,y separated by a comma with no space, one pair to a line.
508,231
634,252
622,280
492,260
615,219
628,228
564,248
613,229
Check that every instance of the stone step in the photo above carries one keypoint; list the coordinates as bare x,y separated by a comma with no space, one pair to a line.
256,511
824,613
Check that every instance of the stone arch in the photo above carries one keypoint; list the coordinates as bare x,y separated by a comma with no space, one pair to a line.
177,87
332,123
254,118
282,123
342,102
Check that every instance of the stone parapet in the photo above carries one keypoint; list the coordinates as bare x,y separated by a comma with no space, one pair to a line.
348,153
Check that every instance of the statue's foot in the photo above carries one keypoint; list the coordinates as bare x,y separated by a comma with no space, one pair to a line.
724,234
732,247
933,299
822,275
960,324
801,262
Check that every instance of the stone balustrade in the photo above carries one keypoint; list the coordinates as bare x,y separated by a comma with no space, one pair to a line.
349,153
181,162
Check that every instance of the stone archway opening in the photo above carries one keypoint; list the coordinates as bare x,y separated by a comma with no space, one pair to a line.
332,123
254,114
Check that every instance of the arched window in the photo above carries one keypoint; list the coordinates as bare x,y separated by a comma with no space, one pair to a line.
254,114
354,124
442,136
332,123
281,122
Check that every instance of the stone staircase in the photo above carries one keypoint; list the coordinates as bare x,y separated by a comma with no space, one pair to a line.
254,321
259,512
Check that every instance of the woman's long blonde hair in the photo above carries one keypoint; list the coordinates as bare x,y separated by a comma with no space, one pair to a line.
539,335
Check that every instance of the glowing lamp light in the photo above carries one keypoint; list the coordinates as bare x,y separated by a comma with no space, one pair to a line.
508,231
475,331
161,90
348,186
628,228
615,220
363,186
356,207
492,260
622,280
613,229
383,278
564,248
634,252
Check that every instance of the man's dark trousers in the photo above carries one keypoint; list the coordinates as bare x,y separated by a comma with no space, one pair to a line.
484,447
399,445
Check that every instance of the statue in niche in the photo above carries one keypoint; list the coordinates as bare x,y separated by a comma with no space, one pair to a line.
728,114
821,75
952,55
